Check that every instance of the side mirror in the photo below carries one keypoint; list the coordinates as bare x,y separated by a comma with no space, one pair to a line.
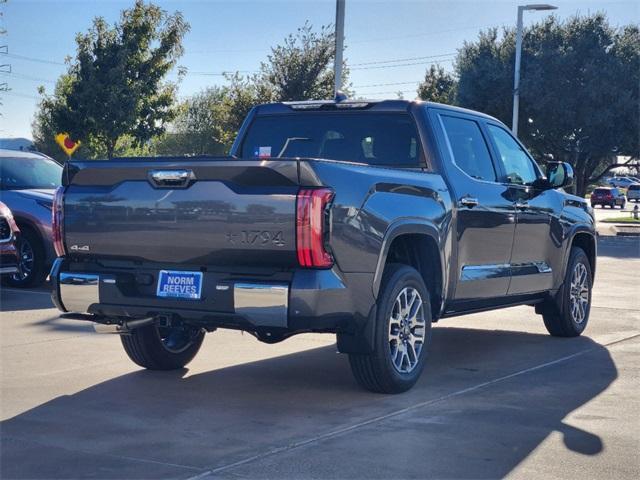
559,174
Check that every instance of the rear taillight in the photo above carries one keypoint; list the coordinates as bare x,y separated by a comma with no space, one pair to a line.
312,227
57,221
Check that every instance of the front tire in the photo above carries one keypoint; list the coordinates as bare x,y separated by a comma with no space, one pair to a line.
162,348
568,315
31,262
402,334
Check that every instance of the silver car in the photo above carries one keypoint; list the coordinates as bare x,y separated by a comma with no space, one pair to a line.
27,184
620,182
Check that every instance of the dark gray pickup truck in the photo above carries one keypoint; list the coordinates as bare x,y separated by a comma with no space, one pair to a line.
370,220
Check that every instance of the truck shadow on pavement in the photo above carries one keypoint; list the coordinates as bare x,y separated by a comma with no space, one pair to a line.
14,300
484,403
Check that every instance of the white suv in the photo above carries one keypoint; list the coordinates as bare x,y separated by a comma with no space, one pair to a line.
633,192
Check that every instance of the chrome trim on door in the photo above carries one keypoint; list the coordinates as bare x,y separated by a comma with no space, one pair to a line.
483,272
262,304
78,291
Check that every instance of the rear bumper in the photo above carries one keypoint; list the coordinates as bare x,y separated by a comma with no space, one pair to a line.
310,300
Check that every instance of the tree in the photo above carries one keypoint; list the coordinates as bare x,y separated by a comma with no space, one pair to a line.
199,126
115,89
302,67
299,69
579,94
438,86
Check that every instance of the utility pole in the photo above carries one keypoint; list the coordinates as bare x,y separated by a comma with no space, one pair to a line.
337,66
4,50
516,75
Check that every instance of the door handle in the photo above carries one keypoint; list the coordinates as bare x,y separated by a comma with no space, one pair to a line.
469,202
522,205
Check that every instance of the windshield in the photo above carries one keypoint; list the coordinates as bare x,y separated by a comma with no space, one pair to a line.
364,137
23,173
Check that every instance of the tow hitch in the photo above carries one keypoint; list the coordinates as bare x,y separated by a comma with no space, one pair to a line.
125,327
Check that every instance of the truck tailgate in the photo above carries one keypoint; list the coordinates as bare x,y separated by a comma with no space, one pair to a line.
205,211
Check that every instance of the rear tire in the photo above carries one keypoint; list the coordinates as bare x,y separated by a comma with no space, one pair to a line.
157,348
568,315
402,334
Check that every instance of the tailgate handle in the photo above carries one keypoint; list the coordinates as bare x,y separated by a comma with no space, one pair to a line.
171,178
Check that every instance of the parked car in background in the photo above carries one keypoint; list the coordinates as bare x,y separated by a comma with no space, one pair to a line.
8,237
27,183
633,192
607,196
621,182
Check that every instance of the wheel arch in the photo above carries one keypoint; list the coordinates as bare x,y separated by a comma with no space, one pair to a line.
416,243
586,240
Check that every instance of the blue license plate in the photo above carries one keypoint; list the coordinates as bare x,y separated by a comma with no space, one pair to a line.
174,284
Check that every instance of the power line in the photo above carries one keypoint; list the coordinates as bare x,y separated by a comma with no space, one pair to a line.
22,95
386,84
426,34
391,92
31,59
27,77
444,60
404,59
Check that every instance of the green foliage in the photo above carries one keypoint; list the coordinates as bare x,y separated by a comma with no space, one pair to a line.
579,94
299,69
302,67
438,86
198,127
115,87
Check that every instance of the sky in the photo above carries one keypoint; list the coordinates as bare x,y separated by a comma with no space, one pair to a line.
389,44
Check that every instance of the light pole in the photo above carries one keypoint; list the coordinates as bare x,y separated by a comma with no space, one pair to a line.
337,66
516,76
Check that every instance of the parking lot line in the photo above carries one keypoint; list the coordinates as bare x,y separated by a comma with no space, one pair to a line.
380,418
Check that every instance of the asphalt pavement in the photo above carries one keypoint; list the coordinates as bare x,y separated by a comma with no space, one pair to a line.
499,397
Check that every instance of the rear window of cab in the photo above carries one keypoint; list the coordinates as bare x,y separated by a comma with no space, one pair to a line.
389,139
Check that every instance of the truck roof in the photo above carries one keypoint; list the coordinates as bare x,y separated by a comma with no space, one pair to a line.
356,104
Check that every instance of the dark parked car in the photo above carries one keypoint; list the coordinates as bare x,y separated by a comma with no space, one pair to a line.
27,183
369,220
606,196
8,237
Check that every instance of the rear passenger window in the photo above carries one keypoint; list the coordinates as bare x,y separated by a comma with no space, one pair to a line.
470,151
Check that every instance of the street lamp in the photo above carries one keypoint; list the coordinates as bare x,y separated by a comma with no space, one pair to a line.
337,66
516,76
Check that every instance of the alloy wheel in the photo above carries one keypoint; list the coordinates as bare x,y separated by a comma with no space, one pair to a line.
406,330
579,294
25,263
